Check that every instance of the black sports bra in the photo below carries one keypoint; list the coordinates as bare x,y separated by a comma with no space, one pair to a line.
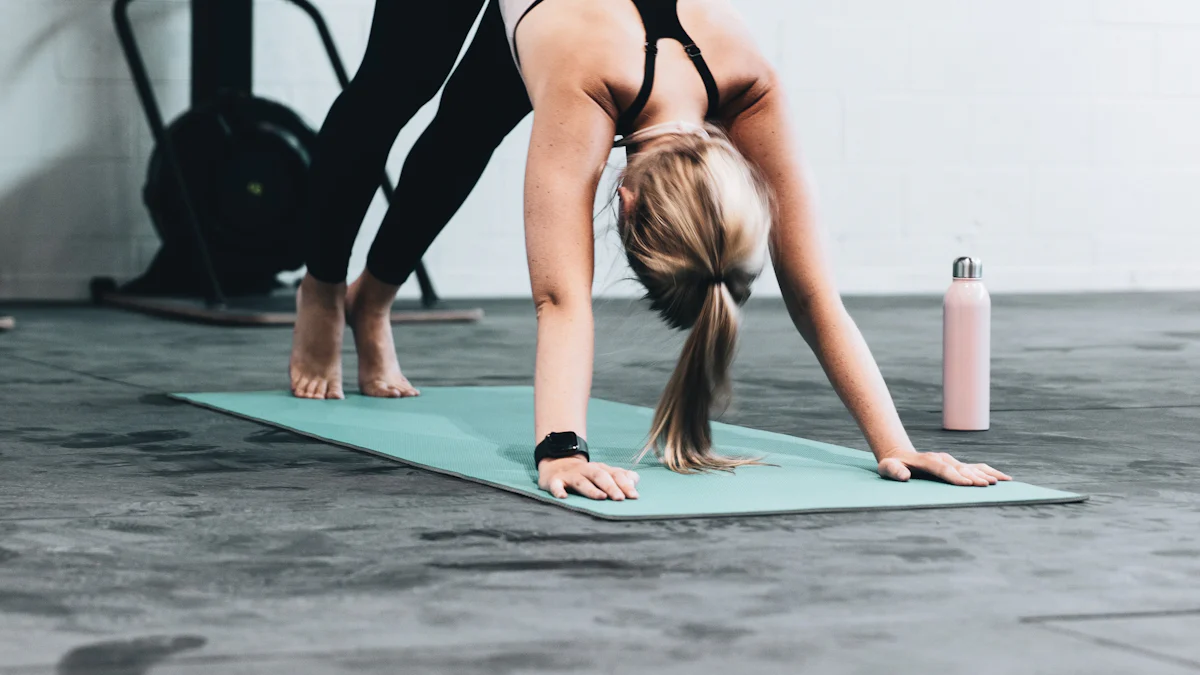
661,18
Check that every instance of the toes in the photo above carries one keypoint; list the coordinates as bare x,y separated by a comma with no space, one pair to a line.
317,388
379,390
300,389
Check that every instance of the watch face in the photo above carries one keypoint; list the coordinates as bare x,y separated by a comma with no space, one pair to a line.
564,441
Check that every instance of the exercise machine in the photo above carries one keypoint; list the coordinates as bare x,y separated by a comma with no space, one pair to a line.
225,185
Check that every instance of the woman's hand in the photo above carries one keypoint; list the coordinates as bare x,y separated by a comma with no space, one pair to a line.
590,479
902,464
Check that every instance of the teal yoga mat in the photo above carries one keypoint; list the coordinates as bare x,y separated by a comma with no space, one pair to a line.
485,434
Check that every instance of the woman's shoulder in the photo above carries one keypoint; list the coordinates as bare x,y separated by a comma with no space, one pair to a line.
579,42
563,32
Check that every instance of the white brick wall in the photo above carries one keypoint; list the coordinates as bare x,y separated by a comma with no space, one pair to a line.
1057,139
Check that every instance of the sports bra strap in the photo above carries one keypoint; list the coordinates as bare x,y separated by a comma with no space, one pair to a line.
661,18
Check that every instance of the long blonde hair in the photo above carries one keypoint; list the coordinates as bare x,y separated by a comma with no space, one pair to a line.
695,235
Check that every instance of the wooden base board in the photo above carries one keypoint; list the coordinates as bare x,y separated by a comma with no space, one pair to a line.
196,311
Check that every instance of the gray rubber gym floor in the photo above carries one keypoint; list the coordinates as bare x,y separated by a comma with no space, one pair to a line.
142,536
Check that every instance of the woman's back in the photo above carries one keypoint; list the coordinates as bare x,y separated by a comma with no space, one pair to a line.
601,46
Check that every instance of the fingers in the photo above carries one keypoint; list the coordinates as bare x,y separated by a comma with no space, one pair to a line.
976,474
961,475
945,467
583,485
604,480
594,481
969,472
998,475
617,483
937,465
626,480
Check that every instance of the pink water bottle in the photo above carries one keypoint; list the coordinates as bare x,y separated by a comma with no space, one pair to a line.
967,350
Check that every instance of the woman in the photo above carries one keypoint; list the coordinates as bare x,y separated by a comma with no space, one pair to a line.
694,219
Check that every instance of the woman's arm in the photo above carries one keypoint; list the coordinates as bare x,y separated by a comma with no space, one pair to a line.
572,137
762,132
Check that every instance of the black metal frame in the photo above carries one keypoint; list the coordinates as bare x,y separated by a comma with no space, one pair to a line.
222,49
215,297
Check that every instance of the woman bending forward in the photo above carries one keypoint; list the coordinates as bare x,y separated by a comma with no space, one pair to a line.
714,181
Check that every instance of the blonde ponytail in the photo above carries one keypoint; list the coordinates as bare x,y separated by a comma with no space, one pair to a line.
695,236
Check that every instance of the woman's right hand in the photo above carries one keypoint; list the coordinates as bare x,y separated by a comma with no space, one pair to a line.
590,479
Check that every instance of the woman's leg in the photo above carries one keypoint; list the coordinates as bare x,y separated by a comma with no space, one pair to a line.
409,55
411,50
483,100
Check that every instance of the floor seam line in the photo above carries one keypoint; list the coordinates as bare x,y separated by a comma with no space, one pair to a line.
82,373
1121,646
18,519
1108,616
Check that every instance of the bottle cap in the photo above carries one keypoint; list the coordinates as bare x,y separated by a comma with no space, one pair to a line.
968,268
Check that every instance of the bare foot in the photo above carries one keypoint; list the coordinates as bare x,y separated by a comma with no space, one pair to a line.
316,364
369,312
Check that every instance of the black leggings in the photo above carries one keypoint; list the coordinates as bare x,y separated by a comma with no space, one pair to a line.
411,50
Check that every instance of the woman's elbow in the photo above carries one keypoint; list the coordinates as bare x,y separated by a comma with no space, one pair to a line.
558,301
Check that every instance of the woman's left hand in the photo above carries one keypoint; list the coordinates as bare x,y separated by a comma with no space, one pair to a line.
903,464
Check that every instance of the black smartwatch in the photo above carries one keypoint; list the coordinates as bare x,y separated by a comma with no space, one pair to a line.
560,445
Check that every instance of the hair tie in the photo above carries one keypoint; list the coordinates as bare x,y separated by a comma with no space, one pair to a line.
718,280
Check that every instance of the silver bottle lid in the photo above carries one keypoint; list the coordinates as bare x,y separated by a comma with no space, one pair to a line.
968,268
